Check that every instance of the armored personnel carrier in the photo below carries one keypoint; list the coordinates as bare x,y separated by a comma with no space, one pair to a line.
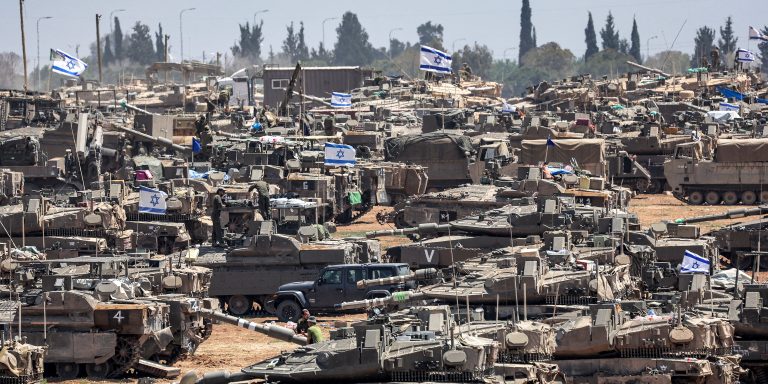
252,273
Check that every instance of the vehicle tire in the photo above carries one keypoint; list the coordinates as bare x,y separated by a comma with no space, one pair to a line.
67,371
712,198
696,198
764,197
98,371
642,186
655,187
288,310
748,198
730,198
239,305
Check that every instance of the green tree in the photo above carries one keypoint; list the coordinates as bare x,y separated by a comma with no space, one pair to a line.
431,35
396,47
159,43
728,39
302,51
140,48
763,46
108,56
352,45
526,31
590,37
117,36
550,58
624,46
634,50
705,39
321,55
607,62
479,58
609,34
676,62
289,44
249,45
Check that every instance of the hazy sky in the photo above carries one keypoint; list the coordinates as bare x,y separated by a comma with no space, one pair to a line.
213,26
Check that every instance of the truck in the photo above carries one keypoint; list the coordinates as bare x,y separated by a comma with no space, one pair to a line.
736,171
335,284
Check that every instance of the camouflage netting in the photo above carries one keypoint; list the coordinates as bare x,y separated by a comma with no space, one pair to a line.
394,146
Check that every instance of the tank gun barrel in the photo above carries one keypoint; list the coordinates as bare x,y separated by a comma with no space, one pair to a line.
276,331
134,108
157,140
732,214
419,274
422,229
380,301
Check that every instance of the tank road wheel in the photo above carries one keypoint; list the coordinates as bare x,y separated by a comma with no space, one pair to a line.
712,198
696,198
764,197
67,371
748,198
239,305
655,187
127,354
730,198
98,371
288,310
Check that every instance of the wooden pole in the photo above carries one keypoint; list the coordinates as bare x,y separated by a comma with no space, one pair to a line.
98,45
23,44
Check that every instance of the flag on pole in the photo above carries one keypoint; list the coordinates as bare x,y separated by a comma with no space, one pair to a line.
341,100
550,143
693,263
339,154
152,201
433,60
196,146
754,34
745,56
66,64
729,107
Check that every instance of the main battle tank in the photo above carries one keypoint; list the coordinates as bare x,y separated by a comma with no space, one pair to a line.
20,362
252,273
420,344
107,338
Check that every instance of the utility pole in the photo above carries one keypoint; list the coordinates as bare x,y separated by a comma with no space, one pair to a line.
98,44
23,44
181,32
218,59
165,46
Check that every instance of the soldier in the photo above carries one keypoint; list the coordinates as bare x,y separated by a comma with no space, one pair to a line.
302,325
263,188
217,239
466,71
715,55
314,334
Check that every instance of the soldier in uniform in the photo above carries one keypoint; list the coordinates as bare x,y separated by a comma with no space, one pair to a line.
217,239
314,333
263,188
302,325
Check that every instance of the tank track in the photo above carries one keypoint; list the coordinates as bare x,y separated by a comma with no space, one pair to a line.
127,355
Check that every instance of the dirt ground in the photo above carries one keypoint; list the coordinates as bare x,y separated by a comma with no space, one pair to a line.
231,348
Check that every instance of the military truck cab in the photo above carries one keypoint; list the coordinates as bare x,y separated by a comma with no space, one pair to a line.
335,284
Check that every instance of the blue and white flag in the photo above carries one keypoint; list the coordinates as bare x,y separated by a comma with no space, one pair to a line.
754,34
152,201
341,100
729,107
693,263
66,64
433,60
506,108
745,56
339,154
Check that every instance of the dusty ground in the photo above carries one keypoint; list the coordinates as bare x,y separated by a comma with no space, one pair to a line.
231,348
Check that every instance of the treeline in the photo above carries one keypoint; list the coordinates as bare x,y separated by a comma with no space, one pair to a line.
127,54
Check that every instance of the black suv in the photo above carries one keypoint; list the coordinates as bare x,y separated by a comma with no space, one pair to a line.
336,284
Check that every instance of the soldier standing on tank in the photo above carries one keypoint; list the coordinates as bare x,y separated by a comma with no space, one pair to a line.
314,333
217,239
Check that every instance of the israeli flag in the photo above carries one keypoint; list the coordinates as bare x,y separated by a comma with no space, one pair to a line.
433,60
341,100
693,263
754,34
66,64
506,108
339,154
152,201
729,107
745,56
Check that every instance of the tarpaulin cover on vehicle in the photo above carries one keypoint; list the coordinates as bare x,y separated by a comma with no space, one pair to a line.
585,151
741,150
394,146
